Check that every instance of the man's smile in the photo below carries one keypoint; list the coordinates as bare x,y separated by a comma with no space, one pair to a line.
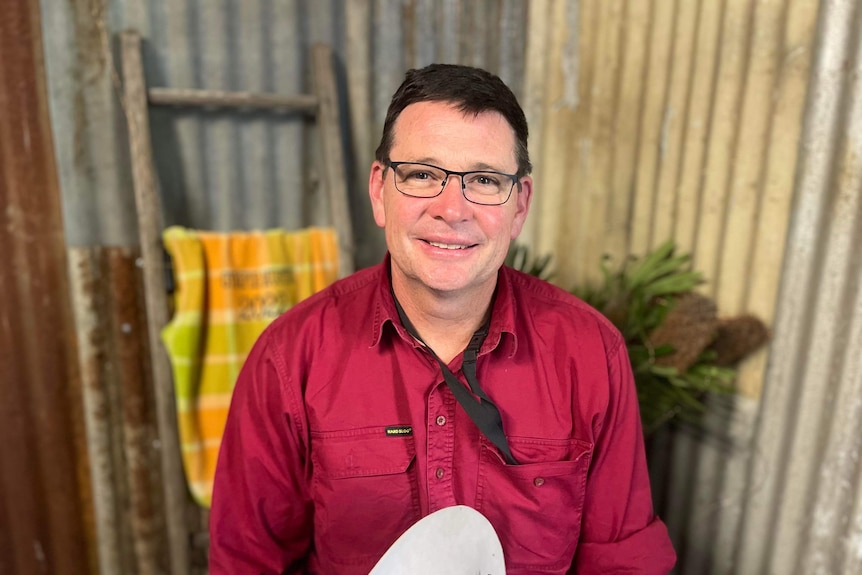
446,246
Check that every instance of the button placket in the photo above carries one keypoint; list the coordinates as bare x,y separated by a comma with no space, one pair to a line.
441,441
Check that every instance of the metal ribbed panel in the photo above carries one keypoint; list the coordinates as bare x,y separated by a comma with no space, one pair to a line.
46,524
671,119
811,407
216,171
117,401
229,171
780,501
649,120
688,120
658,120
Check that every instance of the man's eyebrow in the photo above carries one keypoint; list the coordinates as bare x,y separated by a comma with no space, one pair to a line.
476,167
488,167
427,160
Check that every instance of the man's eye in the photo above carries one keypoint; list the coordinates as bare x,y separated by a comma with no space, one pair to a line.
423,176
485,180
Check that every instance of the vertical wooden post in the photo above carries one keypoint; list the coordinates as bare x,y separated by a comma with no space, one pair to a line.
149,232
332,155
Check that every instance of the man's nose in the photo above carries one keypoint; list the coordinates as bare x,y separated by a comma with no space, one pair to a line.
451,203
456,181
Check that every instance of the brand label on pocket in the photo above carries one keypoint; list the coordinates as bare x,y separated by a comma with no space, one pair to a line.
394,430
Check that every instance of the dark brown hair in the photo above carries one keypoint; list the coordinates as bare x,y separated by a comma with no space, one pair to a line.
470,90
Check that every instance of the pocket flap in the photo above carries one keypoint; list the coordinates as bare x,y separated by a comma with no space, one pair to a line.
552,456
361,453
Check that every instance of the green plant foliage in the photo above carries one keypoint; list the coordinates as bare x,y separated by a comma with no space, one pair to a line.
636,297
520,258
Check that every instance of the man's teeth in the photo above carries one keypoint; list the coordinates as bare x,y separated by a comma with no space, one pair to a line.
448,246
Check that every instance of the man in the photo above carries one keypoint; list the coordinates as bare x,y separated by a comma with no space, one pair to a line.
343,429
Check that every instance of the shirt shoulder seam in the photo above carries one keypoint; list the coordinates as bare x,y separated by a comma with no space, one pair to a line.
548,292
285,384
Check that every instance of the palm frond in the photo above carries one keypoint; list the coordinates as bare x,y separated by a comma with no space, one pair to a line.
636,295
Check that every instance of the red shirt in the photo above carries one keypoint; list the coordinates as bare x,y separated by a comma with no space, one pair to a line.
309,480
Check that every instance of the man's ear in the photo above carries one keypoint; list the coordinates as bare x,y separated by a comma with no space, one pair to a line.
376,179
523,195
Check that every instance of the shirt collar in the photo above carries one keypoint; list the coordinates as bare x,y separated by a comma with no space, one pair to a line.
502,313
384,306
503,317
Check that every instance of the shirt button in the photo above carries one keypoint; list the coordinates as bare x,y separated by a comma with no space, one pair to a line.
539,481
440,473
441,420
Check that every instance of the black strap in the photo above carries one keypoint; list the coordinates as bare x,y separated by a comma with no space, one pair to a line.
482,411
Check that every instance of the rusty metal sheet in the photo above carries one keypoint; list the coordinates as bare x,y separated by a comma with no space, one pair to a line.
128,335
118,403
85,275
43,472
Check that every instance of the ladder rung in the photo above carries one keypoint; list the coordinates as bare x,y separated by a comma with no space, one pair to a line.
217,99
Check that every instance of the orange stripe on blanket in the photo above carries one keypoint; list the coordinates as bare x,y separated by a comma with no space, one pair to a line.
229,287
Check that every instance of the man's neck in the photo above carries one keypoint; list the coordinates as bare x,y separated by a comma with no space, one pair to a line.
446,322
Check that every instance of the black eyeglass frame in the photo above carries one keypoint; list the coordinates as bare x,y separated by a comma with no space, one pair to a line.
514,177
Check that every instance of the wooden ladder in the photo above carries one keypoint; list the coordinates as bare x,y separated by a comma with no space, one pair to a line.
323,106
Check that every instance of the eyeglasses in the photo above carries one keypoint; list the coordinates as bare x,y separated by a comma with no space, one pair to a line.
483,187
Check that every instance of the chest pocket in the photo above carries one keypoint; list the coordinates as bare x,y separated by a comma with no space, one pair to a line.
536,506
365,493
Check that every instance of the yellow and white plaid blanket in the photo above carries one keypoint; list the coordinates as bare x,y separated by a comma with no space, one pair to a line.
229,287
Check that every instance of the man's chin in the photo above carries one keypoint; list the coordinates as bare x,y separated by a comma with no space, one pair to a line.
449,285
443,287
439,283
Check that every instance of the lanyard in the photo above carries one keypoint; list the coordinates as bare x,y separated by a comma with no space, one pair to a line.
482,411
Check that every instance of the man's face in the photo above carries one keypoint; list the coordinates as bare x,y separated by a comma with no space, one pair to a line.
447,244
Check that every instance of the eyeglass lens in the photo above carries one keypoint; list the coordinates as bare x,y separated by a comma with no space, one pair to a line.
422,180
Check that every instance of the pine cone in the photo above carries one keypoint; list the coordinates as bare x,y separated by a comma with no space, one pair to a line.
737,337
689,327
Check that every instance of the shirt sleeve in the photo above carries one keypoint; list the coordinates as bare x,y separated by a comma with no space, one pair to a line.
261,516
620,533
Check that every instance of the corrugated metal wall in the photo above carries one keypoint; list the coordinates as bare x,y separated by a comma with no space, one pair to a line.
223,171
669,119
217,171
649,120
682,119
809,496
46,524
118,405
